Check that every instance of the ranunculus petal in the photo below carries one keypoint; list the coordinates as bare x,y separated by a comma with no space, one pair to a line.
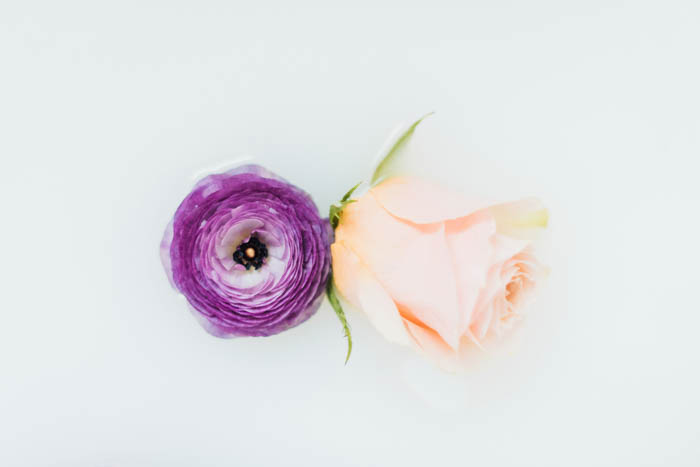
165,252
359,287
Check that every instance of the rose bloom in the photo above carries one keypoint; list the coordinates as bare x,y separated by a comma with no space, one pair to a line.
249,252
432,270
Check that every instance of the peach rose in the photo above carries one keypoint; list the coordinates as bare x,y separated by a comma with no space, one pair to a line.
432,270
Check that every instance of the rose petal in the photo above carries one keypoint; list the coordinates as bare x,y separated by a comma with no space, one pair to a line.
523,219
411,261
433,346
469,240
359,287
422,202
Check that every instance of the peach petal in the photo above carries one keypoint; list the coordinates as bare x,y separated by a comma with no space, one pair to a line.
411,261
523,219
422,202
422,281
433,346
472,255
376,236
359,287
503,248
482,320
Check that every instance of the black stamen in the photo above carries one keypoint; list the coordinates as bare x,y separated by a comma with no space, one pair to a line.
240,256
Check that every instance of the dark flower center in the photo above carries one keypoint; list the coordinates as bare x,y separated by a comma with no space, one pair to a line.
251,253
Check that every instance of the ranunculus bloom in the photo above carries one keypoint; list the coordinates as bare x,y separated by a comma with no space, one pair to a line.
431,269
250,253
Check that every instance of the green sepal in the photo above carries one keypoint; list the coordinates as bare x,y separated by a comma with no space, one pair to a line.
335,303
334,214
337,209
380,171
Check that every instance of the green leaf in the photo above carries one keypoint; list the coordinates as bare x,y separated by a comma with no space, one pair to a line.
335,303
380,171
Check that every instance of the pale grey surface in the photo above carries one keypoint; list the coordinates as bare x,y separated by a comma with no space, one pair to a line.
108,110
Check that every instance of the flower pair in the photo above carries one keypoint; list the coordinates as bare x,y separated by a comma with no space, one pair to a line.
430,269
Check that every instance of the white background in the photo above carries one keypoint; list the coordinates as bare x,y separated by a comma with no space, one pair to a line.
109,110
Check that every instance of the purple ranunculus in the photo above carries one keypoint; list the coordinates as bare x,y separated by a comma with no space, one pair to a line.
250,253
